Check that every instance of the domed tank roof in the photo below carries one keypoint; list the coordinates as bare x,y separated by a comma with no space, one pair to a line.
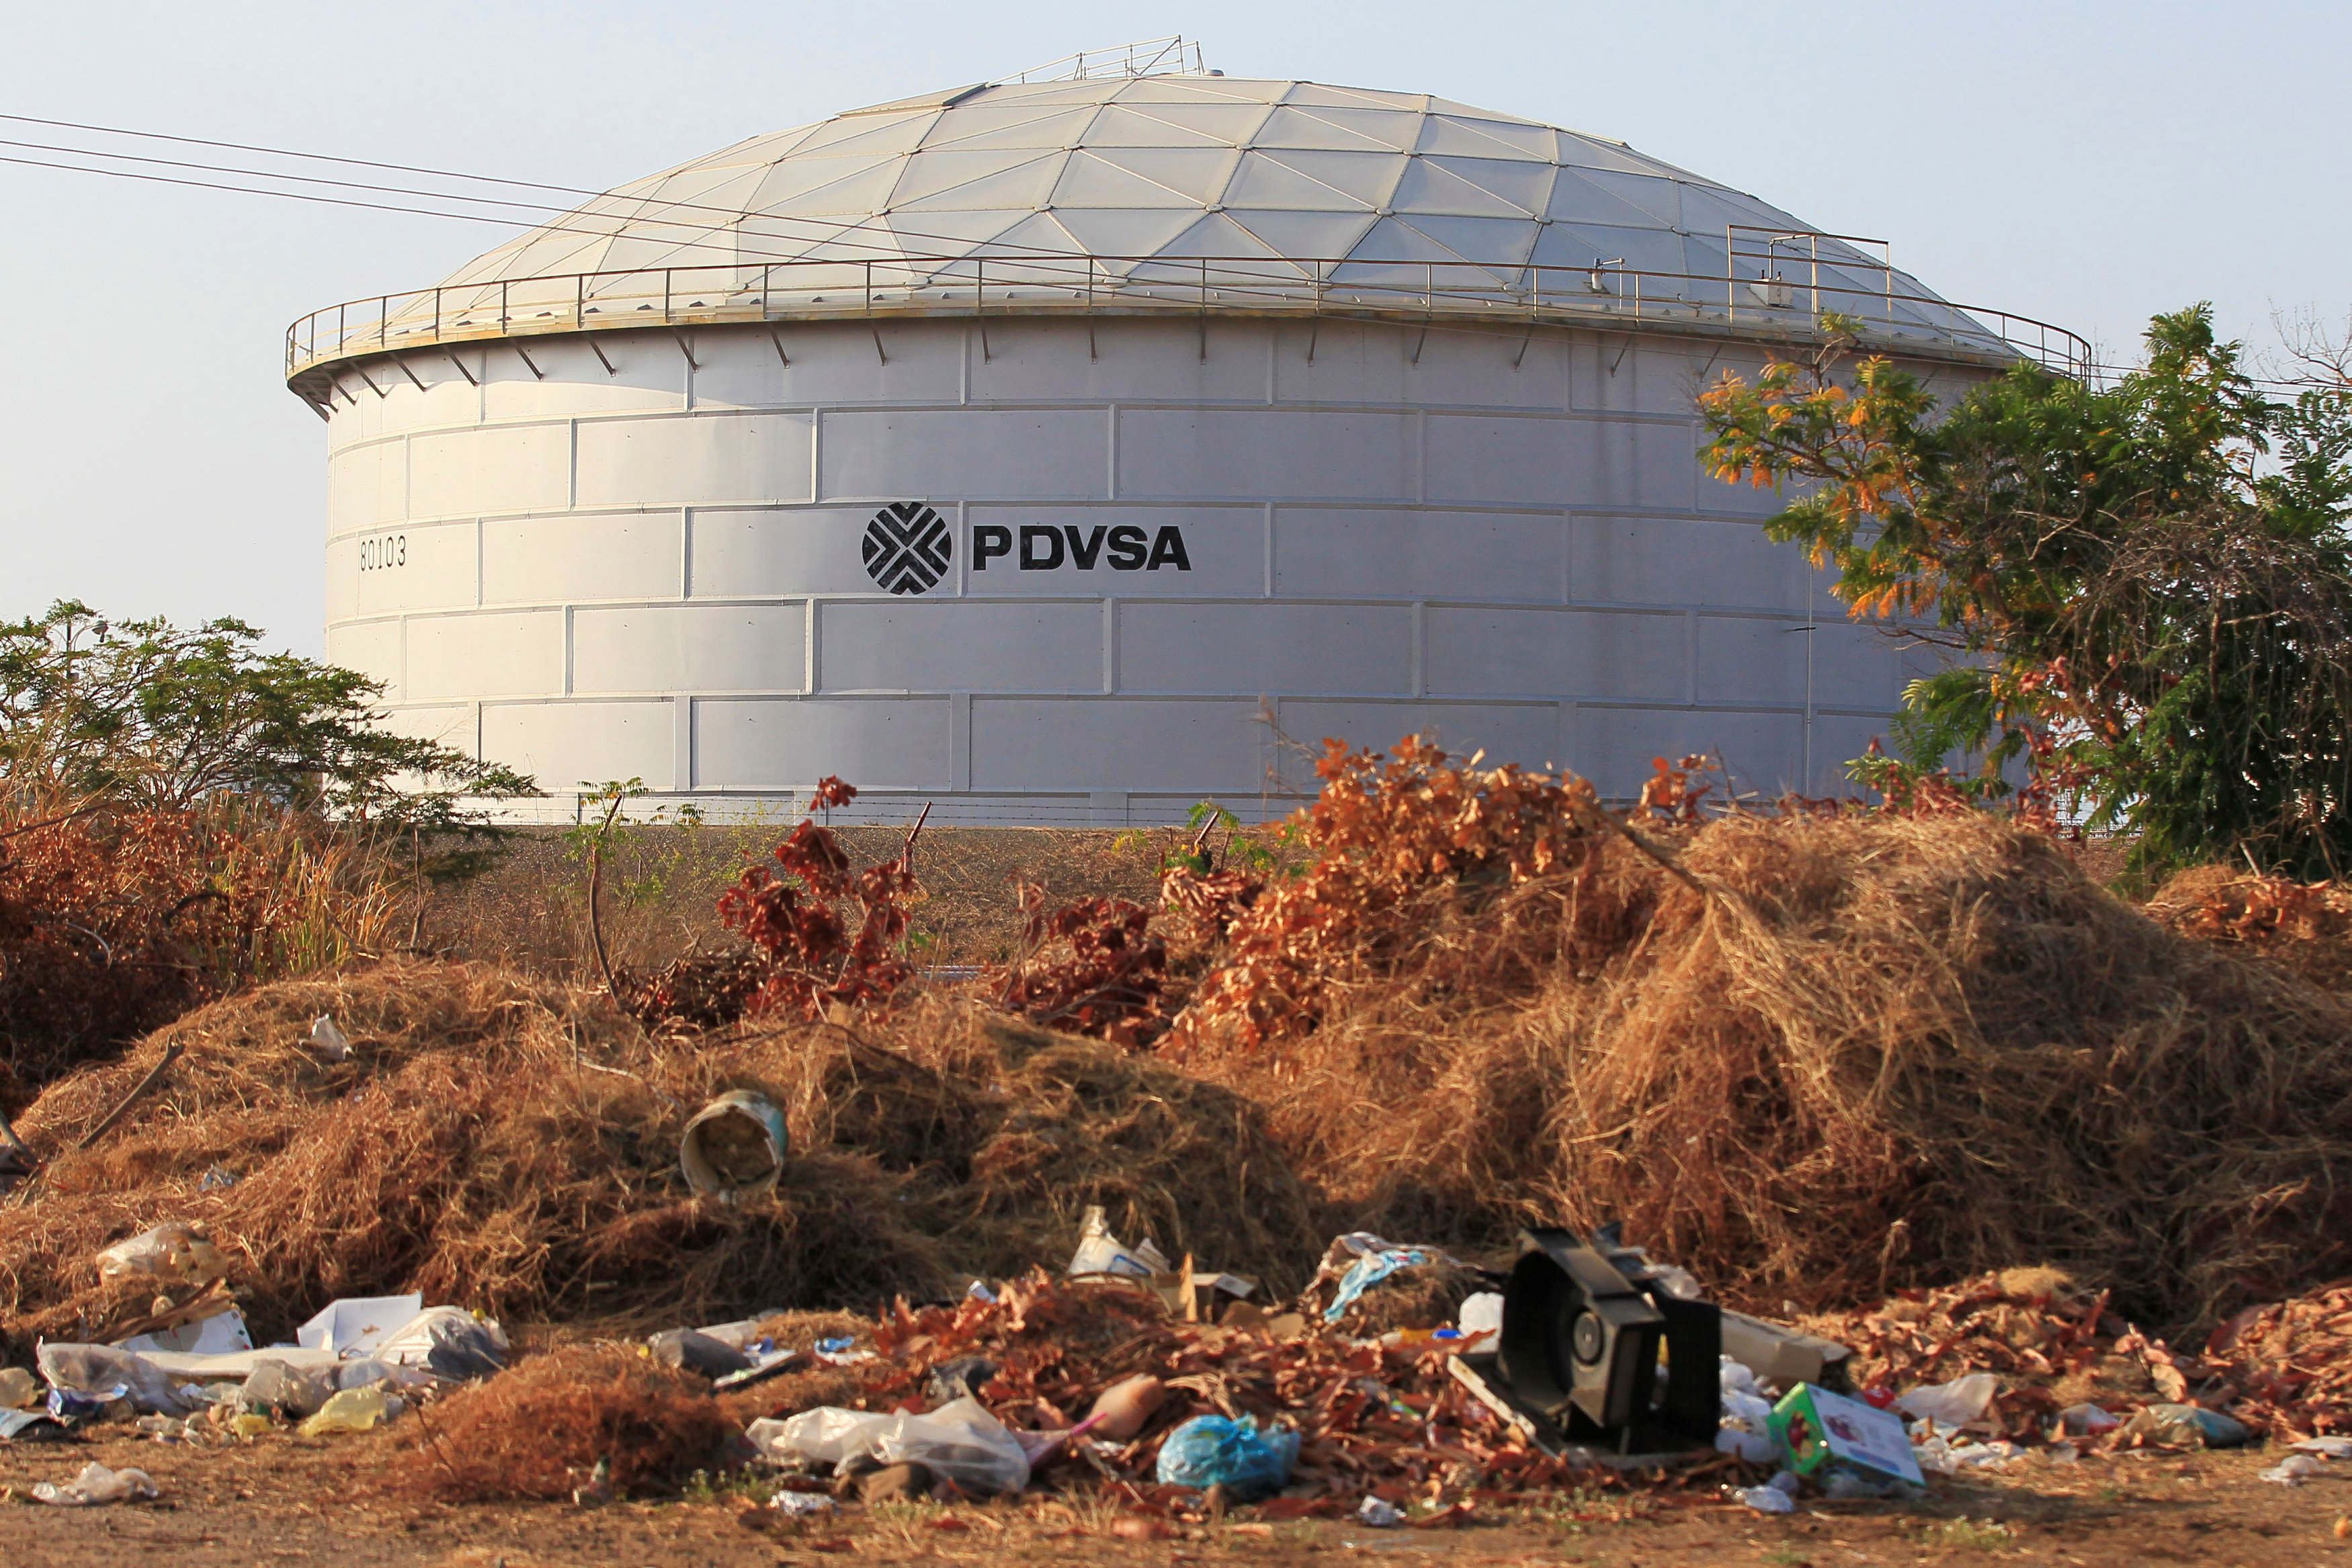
1172,167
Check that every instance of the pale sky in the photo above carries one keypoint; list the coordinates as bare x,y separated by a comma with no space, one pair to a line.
2085,163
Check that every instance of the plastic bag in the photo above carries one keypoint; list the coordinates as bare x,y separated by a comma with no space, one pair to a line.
175,1249
447,1342
960,1442
1100,1252
354,1410
273,1386
18,1388
359,1325
1953,1404
1481,1313
98,1369
826,1436
98,1484
1211,1450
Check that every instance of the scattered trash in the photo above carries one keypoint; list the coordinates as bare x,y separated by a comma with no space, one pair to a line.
220,1178
1953,1404
696,1351
801,1504
1217,1450
1120,1411
353,1410
906,1482
961,1378
2329,1448
2294,1470
2182,1426
329,1041
960,1442
97,1484
1818,1430
1100,1252
223,1334
31,1427
1747,1428
1783,1356
101,1372
734,1146
357,1325
18,1388
273,1387
176,1250
1481,1313
1778,1495
1378,1513
2087,1420
447,1342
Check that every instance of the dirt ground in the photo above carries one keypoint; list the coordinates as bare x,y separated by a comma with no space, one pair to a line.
290,1500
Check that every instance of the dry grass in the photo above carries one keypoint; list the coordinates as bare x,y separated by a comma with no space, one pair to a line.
505,1144
1892,1052
537,1432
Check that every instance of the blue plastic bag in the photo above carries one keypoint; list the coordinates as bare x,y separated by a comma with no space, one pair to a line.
1210,1450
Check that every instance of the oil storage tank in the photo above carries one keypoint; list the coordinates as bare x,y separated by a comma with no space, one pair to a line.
1052,450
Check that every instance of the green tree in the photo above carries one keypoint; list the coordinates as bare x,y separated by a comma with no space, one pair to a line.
2147,585
144,712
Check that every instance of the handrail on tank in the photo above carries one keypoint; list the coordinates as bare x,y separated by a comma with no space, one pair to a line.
1426,292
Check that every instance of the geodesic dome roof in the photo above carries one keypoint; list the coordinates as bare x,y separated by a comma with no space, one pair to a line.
1170,167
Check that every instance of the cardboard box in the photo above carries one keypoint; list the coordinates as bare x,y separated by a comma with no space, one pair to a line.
1819,1431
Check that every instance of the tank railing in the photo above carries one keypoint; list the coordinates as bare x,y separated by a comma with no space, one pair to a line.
1424,292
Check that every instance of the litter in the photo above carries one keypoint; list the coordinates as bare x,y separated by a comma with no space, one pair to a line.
698,1352
2182,1426
961,1441
1820,1431
1481,1313
18,1388
97,1484
2294,1470
103,1373
734,1146
329,1041
273,1387
223,1334
447,1342
2327,1448
175,1250
1953,1404
31,1427
1766,1500
1120,1411
1217,1450
354,1410
801,1504
1100,1252
1377,1512
961,1378
2086,1420
357,1325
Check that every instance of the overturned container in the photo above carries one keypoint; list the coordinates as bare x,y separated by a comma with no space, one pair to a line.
734,1147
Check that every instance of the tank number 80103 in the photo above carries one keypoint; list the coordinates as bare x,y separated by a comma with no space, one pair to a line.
379,554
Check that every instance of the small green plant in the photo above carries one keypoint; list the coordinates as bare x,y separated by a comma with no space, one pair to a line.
1967,1535
1786,1556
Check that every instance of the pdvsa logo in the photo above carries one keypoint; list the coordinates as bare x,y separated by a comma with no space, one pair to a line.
907,547
1045,548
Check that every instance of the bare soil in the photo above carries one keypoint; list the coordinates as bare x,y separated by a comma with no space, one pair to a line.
286,1499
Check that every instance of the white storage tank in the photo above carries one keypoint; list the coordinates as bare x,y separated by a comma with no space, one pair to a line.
1053,450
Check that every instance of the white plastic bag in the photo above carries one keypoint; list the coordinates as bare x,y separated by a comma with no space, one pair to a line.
961,1441
97,1484
175,1249
358,1325
826,1436
1953,1404
448,1342
1481,1313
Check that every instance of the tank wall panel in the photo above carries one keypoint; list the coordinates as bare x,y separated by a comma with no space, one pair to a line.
660,648
1276,455
494,468
876,743
413,566
978,645
747,553
934,454
1481,460
1860,666
1140,362
1395,553
577,556
1114,743
1268,648
453,724
648,376
370,647
1371,361
1747,660
1683,560
509,654
694,460
1510,651
832,362
566,744
1224,551
367,486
